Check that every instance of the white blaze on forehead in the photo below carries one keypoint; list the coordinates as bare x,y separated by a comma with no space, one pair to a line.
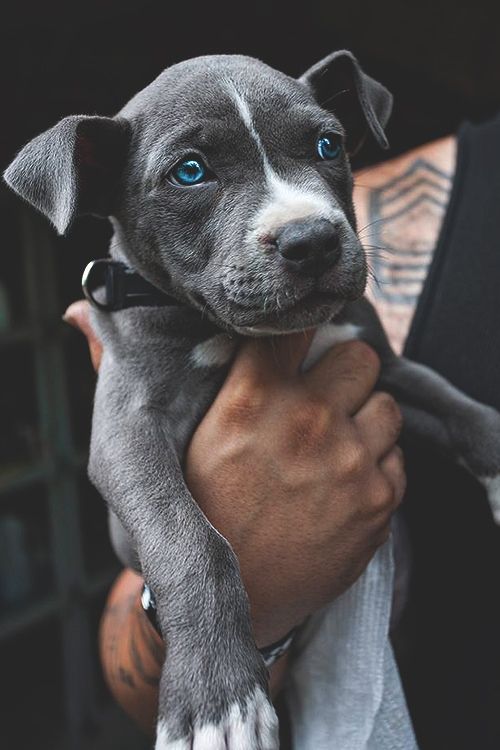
285,201
245,114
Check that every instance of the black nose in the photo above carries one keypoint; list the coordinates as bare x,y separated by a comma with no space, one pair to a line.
311,246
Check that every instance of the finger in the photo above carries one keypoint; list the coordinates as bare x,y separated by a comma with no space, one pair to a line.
78,316
393,468
379,422
266,359
346,375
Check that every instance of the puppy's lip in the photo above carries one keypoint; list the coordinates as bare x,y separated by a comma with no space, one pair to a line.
267,329
316,296
273,321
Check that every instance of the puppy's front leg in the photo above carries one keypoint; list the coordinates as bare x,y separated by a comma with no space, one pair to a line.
438,411
213,688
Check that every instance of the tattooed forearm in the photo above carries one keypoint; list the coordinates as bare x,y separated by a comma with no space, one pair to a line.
145,653
401,207
131,651
406,215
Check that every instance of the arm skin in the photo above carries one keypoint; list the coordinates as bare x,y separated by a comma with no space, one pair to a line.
267,528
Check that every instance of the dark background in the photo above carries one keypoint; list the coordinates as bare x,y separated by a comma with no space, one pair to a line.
442,62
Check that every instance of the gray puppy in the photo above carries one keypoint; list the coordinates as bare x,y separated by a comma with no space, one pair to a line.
229,188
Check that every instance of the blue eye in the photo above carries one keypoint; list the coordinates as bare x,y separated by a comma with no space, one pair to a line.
190,171
329,146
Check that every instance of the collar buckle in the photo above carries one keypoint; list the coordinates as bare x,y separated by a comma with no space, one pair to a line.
123,287
103,272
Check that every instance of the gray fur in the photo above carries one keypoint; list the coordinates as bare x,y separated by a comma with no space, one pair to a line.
256,128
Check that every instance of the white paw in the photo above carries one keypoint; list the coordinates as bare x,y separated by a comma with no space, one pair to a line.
163,742
256,728
492,487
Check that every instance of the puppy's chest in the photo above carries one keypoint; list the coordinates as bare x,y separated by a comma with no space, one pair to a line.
217,351
185,380
193,388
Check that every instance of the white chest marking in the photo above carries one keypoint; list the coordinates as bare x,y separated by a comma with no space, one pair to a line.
284,202
213,352
326,337
218,350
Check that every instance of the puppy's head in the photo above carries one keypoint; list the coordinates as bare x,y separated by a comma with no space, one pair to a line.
228,184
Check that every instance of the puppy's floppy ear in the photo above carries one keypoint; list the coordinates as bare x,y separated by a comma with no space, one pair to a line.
72,169
361,104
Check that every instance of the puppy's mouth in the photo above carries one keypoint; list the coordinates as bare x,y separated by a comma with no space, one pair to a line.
284,316
309,313
282,306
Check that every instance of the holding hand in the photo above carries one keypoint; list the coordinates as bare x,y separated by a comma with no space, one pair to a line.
300,472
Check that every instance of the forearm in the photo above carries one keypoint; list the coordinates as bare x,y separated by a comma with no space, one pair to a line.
400,206
131,651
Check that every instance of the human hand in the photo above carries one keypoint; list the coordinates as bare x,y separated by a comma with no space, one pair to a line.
299,472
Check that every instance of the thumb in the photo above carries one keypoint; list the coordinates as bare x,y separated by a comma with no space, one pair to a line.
78,316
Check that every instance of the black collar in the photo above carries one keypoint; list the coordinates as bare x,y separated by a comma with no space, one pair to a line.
123,287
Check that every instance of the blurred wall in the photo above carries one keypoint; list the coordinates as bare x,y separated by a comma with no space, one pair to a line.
441,58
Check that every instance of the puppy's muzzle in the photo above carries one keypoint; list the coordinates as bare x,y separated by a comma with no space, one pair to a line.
309,247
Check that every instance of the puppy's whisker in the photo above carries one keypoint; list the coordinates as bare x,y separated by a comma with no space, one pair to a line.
373,278
377,250
370,224
376,256
203,311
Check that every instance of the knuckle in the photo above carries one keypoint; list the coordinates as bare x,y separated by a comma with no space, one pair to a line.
355,361
382,497
362,355
399,456
244,403
389,410
355,459
395,468
311,424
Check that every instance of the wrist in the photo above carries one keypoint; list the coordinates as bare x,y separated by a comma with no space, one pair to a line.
272,627
274,651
